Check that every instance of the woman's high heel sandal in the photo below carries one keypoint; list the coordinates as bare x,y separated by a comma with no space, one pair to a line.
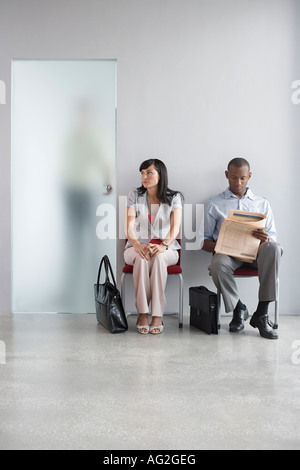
143,329
160,329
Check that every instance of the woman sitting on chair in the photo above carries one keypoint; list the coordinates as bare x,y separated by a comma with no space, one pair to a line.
153,222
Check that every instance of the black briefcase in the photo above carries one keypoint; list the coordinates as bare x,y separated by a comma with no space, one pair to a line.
204,309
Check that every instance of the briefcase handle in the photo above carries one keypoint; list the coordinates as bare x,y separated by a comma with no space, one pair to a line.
107,266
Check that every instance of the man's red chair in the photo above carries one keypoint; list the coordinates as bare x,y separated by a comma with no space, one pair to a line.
246,272
176,269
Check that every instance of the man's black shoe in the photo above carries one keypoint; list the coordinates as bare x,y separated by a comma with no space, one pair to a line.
237,323
262,323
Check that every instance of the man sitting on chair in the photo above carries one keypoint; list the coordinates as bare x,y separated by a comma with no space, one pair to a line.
239,196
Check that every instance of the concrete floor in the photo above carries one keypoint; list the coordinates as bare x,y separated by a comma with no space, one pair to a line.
69,384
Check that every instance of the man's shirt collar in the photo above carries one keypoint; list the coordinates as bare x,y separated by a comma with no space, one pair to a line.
228,194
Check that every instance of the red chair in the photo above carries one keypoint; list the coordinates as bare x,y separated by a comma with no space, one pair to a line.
176,269
245,272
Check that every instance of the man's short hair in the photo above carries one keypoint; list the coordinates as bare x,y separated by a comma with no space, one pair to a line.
238,162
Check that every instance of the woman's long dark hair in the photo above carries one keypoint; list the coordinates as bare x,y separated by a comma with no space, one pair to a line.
164,193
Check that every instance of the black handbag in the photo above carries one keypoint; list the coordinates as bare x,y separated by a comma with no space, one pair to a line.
109,308
204,309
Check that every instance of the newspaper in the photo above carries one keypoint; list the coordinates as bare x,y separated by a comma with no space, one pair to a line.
235,237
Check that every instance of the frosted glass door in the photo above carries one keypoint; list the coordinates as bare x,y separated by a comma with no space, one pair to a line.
63,176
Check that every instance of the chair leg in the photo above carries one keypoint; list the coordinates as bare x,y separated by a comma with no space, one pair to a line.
219,307
275,326
180,314
123,289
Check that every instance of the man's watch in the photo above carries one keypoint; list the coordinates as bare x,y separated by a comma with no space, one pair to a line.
166,245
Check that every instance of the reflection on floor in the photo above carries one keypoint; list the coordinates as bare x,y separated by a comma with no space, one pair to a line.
66,383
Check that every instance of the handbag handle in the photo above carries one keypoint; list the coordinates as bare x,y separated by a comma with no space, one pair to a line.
107,265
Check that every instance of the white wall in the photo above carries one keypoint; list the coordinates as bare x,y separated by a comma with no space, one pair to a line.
199,82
